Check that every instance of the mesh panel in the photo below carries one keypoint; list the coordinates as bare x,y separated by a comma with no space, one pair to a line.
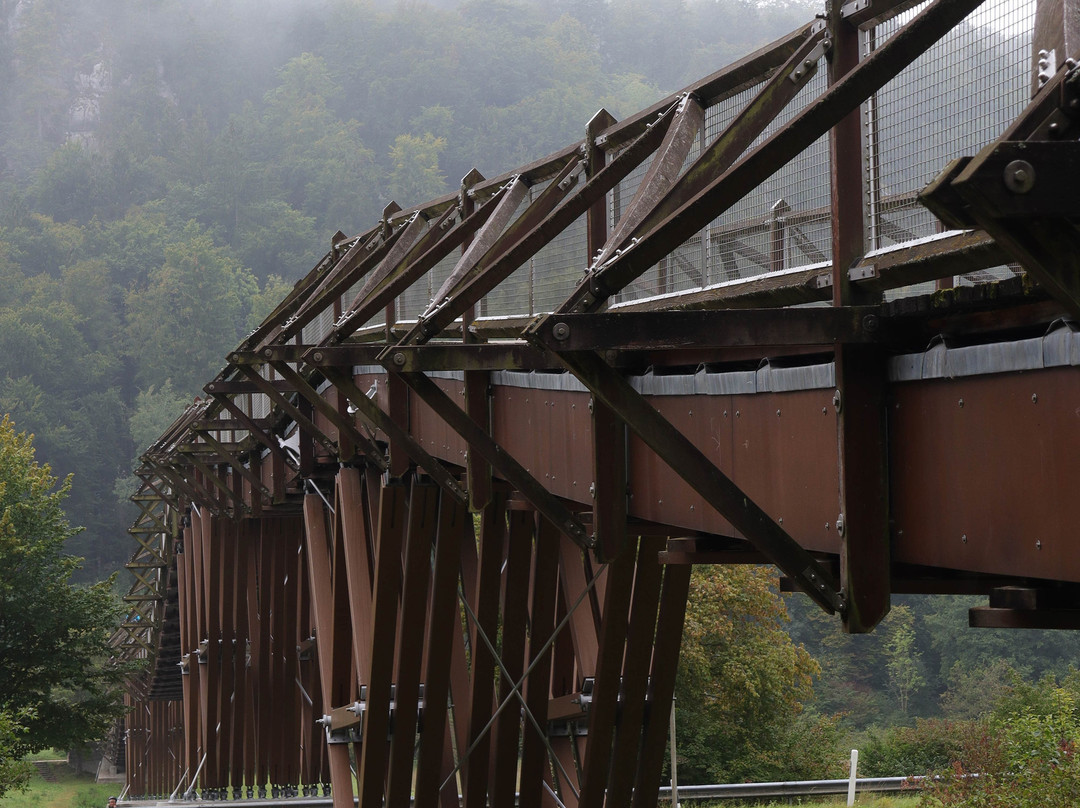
314,332
953,100
739,243
512,295
412,302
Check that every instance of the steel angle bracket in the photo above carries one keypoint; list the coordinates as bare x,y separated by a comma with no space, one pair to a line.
688,461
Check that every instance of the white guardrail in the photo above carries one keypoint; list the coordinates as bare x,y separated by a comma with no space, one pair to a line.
687,793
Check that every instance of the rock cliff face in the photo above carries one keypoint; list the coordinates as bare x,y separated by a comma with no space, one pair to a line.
84,112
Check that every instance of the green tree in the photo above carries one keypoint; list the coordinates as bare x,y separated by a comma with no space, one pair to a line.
57,688
189,314
14,772
414,172
742,683
902,657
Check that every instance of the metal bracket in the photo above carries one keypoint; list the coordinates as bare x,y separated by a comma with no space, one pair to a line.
809,64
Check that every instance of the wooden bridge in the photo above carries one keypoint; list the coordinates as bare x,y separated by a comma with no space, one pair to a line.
430,532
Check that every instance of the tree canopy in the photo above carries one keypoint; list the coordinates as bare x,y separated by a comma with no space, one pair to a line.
57,687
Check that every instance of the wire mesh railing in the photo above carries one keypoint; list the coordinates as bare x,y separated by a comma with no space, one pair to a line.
954,99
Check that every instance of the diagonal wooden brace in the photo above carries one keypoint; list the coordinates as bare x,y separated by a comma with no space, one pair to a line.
692,465
503,462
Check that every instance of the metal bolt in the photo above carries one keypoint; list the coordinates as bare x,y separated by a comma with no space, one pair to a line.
268,352
824,410
399,359
1020,175
781,520
1055,129
840,524
870,323
837,400
778,413
1038,544
826,525
592,404
1034,398
560,331
592,490
317,356
961,402
738,414
963,538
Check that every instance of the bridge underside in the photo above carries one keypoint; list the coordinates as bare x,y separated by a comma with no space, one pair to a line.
431,532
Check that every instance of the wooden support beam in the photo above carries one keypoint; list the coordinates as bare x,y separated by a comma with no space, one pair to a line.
724,328
421,533
504,463
372,755
443,626
370,412
690,463
344,425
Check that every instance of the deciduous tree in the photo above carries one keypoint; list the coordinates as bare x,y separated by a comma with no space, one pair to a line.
57,687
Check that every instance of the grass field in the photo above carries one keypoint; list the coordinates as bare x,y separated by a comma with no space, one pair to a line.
56,786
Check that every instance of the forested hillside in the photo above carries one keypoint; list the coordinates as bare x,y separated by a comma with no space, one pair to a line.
168,168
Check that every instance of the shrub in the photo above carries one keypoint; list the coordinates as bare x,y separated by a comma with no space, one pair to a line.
931,746
1024,760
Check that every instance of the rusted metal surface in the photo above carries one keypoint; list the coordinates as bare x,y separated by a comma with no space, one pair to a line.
960,500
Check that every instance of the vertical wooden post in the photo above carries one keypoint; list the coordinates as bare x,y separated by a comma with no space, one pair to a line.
863,520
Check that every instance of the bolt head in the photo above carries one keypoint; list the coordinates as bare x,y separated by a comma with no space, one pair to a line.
560,331
399,359
1019,175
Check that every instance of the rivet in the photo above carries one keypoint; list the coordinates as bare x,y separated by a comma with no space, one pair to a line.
826,525
837,400
738,414
1038,544
1034,398
963,538
961,402
778,413
560,331
399,359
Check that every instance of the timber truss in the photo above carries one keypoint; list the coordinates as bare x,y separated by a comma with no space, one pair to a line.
444,552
